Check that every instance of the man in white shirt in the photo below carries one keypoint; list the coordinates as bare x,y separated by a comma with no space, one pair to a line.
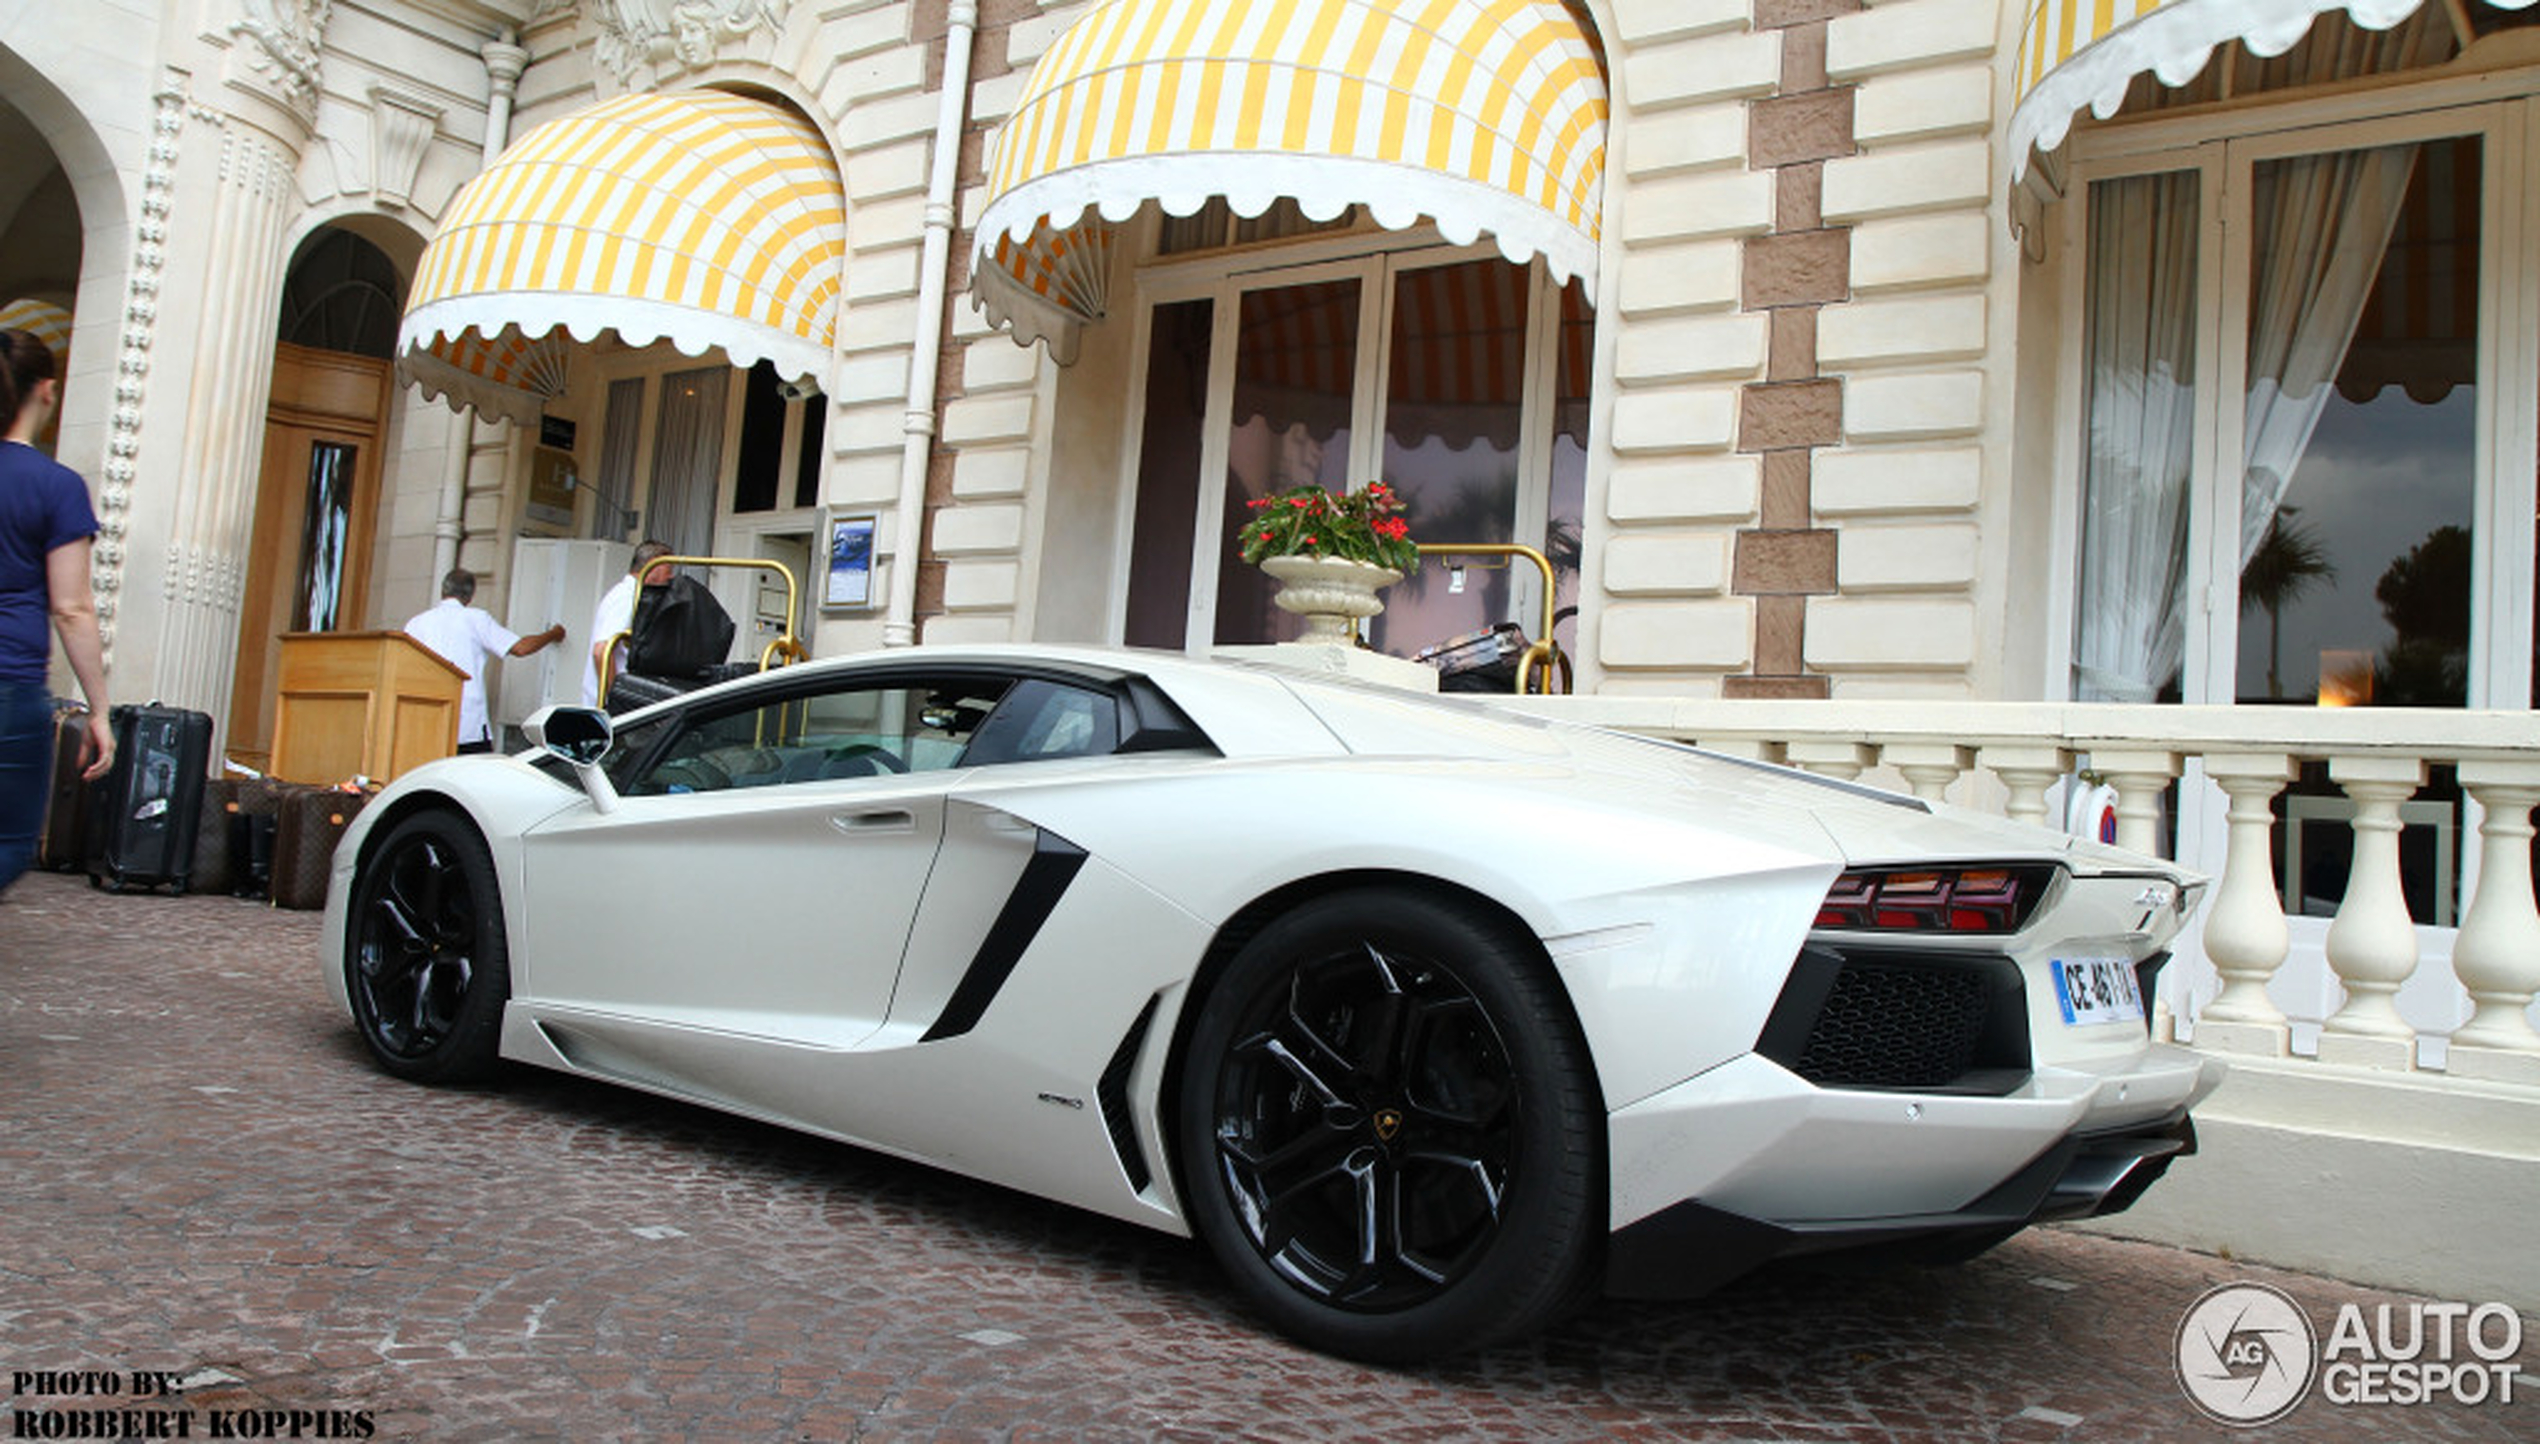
616,614
465,636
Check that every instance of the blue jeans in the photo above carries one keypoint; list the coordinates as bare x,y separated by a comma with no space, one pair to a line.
26,773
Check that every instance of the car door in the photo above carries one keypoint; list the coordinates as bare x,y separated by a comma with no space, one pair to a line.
998,875
765,862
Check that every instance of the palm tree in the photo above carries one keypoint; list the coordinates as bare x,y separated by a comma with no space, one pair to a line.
2288,562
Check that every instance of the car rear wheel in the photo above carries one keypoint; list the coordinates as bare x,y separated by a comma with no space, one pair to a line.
1390,1131
426,963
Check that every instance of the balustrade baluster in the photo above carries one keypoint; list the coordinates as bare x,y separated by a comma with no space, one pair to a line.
1754,749
2372,943
2497,956
1844,760
1929,767
2245,931
2140,777
2026,771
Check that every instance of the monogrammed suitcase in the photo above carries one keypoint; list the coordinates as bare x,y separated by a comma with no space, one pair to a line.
312,820
252,808
212,870
70,804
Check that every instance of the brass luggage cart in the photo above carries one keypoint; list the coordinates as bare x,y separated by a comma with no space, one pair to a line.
785,648
1543,657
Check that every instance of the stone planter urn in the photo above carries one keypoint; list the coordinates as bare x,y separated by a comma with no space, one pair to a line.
1331,593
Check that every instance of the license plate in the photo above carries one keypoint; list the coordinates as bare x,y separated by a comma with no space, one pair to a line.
2097,990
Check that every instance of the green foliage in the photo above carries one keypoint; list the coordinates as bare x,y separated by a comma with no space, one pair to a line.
1365,525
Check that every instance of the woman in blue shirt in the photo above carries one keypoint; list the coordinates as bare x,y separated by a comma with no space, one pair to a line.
46,527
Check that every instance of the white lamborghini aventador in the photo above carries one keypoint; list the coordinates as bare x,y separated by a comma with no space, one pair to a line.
1431,1019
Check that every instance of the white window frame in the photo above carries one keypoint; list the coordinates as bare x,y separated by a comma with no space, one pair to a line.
1377,260
2507,437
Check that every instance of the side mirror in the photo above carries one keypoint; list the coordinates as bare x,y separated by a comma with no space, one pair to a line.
580,737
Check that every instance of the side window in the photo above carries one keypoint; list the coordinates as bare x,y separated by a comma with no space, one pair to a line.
627,751
1041,720
858,731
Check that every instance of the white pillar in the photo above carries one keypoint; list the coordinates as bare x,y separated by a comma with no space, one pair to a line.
504,62
2245,931
214,474
2497,955
2372,943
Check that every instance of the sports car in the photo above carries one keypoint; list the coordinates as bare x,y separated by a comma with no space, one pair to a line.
1430,1018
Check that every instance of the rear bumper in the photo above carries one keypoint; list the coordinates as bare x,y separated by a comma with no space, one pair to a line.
1692,1247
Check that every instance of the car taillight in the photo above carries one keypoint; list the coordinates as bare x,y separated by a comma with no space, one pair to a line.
1934,900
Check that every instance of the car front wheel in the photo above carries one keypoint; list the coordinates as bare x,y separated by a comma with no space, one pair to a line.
1390,1131
426,962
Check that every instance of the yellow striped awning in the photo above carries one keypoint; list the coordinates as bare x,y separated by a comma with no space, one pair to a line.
697,217
47,322
1483,117
2085,54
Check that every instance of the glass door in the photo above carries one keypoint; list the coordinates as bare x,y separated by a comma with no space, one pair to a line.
1452,375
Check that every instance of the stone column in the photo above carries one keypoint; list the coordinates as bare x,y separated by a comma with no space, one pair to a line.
264,104
213,470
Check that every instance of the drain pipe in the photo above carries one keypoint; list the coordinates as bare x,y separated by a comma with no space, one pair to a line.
917,425
505,59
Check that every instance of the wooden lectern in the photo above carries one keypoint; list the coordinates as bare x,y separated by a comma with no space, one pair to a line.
367,703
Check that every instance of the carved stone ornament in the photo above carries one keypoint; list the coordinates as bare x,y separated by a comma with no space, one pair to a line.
401,130
641,35
287,36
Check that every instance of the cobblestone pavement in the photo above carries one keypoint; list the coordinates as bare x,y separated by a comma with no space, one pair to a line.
202,1177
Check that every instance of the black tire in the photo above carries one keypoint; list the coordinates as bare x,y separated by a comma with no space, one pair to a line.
426,963
1389,1131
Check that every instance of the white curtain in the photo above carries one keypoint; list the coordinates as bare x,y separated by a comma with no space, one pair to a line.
2142,425
688,460
2321,223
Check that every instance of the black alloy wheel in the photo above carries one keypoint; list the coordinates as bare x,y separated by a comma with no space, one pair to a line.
426,962
1389,1130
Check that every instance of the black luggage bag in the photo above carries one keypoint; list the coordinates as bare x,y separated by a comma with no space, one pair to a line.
679,630
152,799
70,805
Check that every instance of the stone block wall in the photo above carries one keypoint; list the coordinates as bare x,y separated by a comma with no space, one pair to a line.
1797,445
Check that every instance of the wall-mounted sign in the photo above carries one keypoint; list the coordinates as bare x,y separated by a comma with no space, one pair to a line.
847,581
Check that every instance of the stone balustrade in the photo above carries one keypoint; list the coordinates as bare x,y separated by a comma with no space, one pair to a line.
2006,756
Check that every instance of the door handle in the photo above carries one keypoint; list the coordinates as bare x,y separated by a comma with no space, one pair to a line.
889,819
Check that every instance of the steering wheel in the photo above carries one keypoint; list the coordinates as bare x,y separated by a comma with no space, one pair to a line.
883,758
694,774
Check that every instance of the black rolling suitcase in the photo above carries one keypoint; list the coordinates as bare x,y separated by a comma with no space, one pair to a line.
152,799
